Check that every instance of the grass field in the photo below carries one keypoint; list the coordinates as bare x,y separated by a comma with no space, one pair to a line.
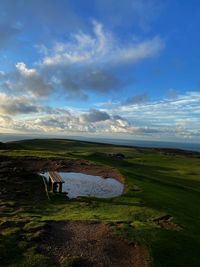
158,183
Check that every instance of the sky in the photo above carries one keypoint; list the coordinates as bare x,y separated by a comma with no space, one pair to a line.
102,68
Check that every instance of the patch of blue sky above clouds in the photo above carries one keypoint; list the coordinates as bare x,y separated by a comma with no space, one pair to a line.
124,69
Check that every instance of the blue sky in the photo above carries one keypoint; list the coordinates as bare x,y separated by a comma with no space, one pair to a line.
122,69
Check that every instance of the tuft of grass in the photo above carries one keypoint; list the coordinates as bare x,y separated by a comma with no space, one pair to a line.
34,236
34,225
139,225
10,231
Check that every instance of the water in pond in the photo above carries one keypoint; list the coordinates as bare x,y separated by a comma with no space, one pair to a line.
79,184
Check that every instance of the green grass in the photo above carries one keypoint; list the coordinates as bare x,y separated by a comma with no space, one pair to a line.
158,184
34,225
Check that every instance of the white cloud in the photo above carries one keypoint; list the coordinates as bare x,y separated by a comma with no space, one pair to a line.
82,48
14,111
25,81
94,116
175,118
25,71
64,124
101,48
87,62
12,105
84,63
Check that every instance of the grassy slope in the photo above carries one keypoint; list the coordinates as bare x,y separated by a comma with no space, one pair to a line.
157,184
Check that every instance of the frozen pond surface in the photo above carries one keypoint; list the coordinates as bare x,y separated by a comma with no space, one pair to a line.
79,184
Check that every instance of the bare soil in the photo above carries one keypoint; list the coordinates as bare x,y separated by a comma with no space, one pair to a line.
34,164
93,242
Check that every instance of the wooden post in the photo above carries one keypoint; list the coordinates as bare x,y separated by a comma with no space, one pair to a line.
55,187
60,188
52,187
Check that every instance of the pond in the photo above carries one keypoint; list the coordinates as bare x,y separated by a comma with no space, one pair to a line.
80,184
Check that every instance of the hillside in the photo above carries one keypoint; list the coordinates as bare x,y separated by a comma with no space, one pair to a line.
155,222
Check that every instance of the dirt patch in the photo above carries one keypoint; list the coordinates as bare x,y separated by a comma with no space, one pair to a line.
167,223
92,241
33,164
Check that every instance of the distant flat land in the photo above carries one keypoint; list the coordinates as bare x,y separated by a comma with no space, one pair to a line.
154,223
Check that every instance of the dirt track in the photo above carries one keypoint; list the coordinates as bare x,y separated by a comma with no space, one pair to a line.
94,243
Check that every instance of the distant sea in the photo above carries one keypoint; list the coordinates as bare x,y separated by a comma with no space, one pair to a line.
155,144
123,142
